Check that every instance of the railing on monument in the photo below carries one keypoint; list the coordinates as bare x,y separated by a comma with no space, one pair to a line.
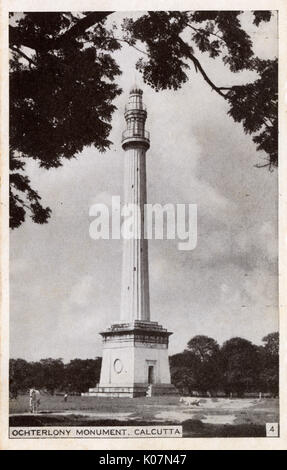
129,133
135,107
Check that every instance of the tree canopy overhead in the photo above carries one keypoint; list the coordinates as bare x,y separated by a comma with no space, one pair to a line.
63,82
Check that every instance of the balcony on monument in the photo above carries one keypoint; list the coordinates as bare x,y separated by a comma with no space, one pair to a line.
136,135
135,106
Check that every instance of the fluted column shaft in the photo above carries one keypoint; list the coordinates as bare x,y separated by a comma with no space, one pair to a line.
135,280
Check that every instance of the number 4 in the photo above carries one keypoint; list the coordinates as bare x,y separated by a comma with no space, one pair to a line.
272,429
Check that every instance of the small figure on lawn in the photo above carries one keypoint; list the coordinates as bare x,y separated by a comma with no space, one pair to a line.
34,400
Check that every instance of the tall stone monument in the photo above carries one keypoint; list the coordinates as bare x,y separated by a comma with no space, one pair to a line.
135,350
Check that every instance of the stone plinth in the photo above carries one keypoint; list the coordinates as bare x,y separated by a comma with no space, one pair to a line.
135,359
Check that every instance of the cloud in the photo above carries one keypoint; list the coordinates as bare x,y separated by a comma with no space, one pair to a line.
81,291
103,197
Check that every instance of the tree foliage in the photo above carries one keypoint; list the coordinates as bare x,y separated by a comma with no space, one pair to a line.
53,375
237,367
271,344
62,91
208,369
269,360
240,364
82,374
203,347
63,82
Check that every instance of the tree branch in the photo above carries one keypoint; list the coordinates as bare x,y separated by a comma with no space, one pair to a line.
206,33
19,38
198,66
82,25
206,78
127,42
16,49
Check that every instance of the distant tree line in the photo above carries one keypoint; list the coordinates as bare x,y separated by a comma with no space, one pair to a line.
237,367
52,375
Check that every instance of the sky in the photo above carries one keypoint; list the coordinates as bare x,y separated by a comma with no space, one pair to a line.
65,286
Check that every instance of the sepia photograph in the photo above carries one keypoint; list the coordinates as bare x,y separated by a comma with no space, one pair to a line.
143,214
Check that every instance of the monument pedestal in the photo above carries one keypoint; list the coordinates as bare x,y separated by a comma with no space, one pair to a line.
135,361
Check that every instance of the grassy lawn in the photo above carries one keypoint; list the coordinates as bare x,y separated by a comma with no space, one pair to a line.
212,417
93,404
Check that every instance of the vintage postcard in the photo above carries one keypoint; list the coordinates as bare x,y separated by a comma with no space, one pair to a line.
143,225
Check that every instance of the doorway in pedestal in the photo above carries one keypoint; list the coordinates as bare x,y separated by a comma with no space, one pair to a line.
150,375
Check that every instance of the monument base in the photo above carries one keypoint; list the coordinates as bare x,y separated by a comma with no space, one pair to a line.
135,361
137,390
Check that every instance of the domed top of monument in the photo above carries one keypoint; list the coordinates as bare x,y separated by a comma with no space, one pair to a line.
135,89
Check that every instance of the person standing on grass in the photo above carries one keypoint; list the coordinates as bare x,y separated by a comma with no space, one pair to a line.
37,400
31,399
34,400
65,397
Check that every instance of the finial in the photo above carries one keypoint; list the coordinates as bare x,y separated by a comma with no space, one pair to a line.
135,87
